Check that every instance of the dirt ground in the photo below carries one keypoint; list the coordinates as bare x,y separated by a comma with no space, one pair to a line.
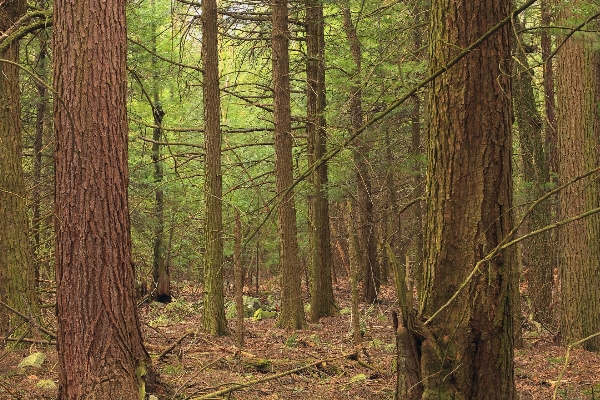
200,364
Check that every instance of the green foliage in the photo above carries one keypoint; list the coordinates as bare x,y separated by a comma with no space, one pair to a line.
292,340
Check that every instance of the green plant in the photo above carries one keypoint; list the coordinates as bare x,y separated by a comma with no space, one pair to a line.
292,341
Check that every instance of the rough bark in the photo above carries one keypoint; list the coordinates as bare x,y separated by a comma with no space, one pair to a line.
17,274
100,348
466,352
292,311
214,308
371,274
321,289
578,124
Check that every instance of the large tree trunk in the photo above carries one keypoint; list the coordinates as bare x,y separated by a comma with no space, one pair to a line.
292,311
100,348
17,274
466,351
578,94
214,310
322,302
367,240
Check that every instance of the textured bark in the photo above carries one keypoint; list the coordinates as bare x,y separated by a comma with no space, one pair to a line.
466,352
549,95
537,251
292,311
366,232
321,289
17,274
100,348
214,309
578,94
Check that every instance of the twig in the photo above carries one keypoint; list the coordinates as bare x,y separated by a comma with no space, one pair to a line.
237,386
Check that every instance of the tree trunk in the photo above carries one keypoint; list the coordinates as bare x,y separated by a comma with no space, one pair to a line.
17,274
578,94
160,268
536,177
239,280
368,242
292,311
100,348
322,302
214,308
466,351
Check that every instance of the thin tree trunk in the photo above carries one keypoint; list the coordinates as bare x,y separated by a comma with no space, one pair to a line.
536,176
214,309
239,280
354,268
292,310
160,268
17,273
100,347
321,289
371,273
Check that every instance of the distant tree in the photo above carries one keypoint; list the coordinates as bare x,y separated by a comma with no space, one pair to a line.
214,310
17,274
100,347
578,124
536,176
321,296
292,310
367,240
160,270
466,350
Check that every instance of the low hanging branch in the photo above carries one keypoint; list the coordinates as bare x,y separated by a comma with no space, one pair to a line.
237,386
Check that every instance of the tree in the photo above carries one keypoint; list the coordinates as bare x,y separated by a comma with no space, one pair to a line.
465,350
321,296
292,311
536,176
160,269
17,275
100,348
368,242
578,124
214,310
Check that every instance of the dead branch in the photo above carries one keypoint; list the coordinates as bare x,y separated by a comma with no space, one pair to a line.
171,347
31,322
34,341
237,386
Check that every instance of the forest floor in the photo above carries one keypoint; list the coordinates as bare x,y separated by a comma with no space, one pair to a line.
200,364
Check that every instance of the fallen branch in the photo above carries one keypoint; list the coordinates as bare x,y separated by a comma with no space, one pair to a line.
237,386
171,347
34,341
